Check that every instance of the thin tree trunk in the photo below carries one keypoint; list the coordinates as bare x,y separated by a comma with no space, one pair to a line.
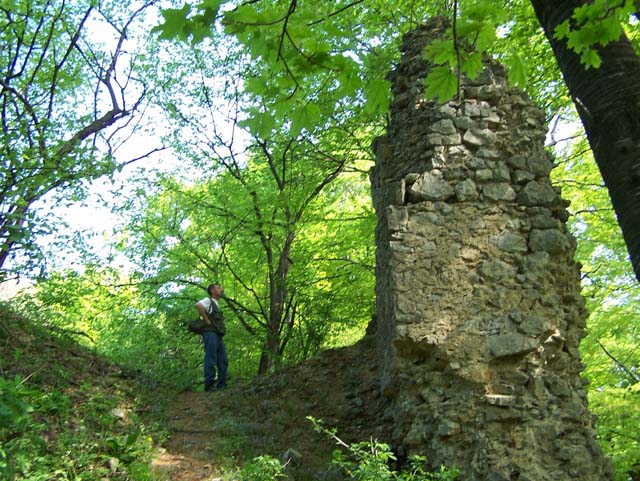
608,102
265,360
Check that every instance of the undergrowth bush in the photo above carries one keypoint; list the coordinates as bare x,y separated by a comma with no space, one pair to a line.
362,461
263,468
64,413
46,435
14,420
370,461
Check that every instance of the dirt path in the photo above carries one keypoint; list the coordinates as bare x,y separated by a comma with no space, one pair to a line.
186,455
212,435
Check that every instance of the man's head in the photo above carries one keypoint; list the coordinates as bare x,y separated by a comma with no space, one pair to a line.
215,291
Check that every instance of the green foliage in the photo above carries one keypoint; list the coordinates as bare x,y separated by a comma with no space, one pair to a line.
297,56
269,223
178,23
304,117
263,468
14,419
125,448
370,461
14,412
461,49
71,429
265,102
62,110
257,218
595,24
111,314
377,94
361,461
441,83
41,437
609,350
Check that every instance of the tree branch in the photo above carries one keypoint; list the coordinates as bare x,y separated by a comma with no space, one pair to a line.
631,374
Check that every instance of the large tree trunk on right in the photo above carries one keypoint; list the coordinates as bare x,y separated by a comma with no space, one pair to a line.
608,102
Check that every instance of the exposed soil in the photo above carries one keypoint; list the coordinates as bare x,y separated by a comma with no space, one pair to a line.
209,433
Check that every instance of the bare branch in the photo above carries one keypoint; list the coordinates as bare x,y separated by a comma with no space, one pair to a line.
336,12
630,373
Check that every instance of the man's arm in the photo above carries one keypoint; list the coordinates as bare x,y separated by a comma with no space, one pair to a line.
203,313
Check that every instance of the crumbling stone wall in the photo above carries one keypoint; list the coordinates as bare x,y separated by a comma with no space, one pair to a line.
478,296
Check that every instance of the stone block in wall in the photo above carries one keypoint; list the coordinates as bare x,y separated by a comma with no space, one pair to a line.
479,137
430,186
551,241
466,190
510,345
537,194
498,191
397,218
510,242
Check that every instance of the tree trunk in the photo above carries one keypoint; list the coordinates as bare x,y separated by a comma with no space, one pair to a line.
265,360
270,357
608,102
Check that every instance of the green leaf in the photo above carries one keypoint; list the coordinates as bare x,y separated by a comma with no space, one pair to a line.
562,30
174,23
256,85
441,83
590,58
349,82
581,13
486,37
305,117
264,125
517,70
577,42
440,52
211,7
377,93
472,65
259,123
611,30
199,29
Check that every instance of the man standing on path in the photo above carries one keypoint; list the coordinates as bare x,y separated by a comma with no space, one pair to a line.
215,352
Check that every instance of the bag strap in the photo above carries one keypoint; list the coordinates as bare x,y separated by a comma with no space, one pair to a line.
212,303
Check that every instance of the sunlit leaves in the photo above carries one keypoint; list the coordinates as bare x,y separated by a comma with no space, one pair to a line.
594,24
441,83
460,50
516,70
174,23
349,82
613,299
301,65
377,92
440,52
260,123
63,105
472,65
306,116
590,58
180,23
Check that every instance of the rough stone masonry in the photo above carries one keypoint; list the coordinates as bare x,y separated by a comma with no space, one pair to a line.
478,296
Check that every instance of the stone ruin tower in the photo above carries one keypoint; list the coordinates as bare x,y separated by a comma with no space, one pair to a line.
478,296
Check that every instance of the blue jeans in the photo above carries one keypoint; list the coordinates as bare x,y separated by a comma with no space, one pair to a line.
215,356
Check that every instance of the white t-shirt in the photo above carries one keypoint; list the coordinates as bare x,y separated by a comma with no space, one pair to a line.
206,303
